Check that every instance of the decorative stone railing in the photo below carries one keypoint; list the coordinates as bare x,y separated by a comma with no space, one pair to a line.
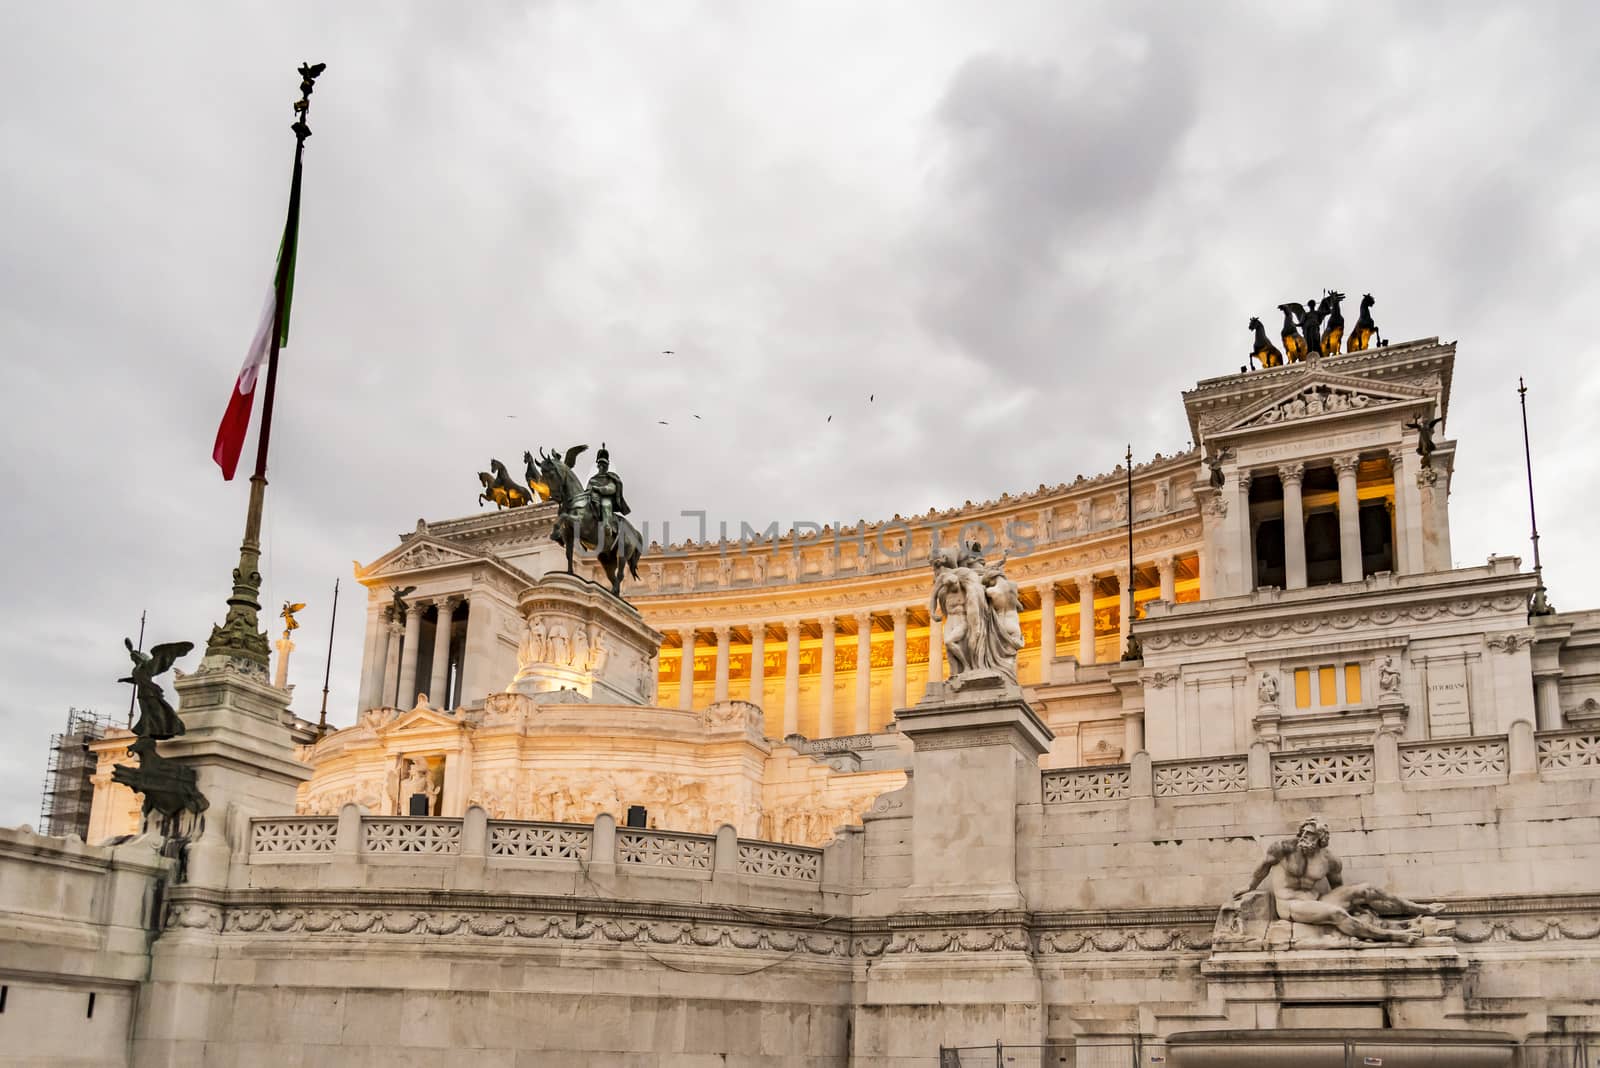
1388,763
666,849
410,834
1454,759
1187,778
539,841
773,861
1110,783
1316,768
294,834
1569,751
513,846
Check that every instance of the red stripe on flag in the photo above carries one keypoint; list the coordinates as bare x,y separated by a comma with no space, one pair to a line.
231,431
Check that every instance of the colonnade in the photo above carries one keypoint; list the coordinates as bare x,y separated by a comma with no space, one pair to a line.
391,664
852,712
1404,505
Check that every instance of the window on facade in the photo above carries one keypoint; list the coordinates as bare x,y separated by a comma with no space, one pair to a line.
1352,684
1327,685
1302,687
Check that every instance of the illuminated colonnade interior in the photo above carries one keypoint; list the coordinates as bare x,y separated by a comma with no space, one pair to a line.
899,639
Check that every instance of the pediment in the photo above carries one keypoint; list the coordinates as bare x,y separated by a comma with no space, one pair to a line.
420,552
420,719
1325,396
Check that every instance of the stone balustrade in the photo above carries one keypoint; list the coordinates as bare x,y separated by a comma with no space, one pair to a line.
1569,751
430,841
293,834
1455,758
1518,756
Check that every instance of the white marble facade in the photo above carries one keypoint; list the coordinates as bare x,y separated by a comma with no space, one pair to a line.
845,865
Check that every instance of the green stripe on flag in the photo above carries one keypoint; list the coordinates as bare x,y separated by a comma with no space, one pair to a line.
291,240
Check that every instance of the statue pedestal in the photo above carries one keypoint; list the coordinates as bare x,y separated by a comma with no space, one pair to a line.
238,741
1401,977
977,747
579,638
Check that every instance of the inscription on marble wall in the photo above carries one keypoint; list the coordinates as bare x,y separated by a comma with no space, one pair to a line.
1360,439
1449,712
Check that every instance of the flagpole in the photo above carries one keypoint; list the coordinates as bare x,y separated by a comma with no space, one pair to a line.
238,640
322,719
1131,651
1540,605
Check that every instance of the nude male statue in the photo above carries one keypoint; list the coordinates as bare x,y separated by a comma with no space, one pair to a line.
1297,865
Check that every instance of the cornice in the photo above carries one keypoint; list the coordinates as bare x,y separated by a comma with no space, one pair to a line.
1315,611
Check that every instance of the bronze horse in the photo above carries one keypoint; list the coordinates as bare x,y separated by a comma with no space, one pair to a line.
502,489
1333,329
1262,348
1366,328
578,523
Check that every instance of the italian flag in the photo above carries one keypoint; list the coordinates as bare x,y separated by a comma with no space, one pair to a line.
236,420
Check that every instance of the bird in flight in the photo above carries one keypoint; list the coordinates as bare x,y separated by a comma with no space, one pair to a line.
870,396
663,422
697,417
830,419
666,352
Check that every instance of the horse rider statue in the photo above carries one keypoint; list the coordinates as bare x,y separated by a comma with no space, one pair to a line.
588,515
606,502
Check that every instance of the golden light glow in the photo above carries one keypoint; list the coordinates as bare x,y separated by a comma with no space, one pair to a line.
1327,685
1352,684
1302,687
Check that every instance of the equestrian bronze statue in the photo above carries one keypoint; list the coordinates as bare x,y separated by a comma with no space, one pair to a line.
592,515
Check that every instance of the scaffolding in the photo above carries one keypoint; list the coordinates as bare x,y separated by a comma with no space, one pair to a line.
69,776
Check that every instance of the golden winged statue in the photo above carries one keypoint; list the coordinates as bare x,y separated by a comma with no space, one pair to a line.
289,622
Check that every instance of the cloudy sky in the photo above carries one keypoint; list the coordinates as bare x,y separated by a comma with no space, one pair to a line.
1023,227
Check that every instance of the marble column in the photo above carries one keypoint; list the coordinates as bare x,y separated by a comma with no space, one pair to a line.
1547,699
686,672
408,655
1047,631
863,673
1085,619
1349,518
372,695
791,678
1248,571
1132,734
1294,526
825,706
1408,557
393,629
898,695
758,663
284,646
1168,567
720,693
437,694
935,650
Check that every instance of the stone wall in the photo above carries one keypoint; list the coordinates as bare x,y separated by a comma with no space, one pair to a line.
75,923
1123,869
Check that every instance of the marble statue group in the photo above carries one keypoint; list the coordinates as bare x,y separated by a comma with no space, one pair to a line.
979,609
